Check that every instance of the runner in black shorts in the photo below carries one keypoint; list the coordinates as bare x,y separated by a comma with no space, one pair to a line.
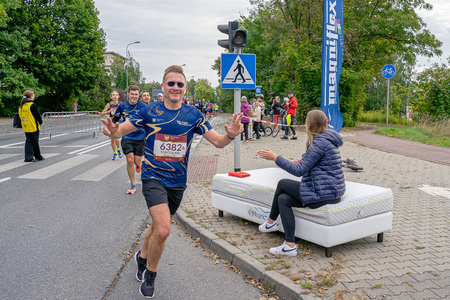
133,144
136,147
155,193
169,126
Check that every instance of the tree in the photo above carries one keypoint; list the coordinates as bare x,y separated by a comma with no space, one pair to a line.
286,36
64,49
203,90
14,81
134,72
434,91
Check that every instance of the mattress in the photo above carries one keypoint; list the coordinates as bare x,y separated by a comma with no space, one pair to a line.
359,201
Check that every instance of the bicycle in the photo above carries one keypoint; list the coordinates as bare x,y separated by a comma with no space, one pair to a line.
279,125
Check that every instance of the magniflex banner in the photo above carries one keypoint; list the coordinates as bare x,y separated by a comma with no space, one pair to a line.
332,51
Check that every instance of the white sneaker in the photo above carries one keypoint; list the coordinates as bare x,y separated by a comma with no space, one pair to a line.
284,250
267,227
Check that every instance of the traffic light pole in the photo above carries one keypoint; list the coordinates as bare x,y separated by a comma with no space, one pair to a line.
237,140
237,39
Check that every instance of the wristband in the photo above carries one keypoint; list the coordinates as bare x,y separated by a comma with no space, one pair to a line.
229,137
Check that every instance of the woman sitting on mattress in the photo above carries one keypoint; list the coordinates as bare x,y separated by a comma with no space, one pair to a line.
322,183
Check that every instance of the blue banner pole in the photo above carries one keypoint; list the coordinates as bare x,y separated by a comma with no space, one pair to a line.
332,52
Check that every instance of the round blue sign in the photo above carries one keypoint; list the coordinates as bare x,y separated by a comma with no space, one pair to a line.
388,71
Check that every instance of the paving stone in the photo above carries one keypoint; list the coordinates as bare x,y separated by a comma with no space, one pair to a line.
426,294
401,288
403,296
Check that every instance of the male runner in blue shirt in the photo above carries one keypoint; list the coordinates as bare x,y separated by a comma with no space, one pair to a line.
169,129
133,143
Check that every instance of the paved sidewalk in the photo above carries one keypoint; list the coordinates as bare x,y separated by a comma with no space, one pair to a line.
413,262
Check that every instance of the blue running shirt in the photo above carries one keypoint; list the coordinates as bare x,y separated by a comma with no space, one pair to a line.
125,111
169,135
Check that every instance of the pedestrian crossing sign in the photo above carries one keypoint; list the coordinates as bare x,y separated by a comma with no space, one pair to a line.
238,71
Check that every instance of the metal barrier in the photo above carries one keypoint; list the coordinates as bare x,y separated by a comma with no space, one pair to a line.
71,122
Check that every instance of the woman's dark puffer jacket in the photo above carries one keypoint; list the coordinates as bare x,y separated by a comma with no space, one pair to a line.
321,168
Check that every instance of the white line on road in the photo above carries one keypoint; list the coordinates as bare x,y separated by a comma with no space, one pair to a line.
90,148
101,171
20,163
21,143
436,190
5,179
57,168
5,156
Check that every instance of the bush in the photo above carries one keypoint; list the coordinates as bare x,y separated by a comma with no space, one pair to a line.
380,117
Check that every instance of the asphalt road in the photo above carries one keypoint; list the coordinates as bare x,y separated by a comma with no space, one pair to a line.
69,229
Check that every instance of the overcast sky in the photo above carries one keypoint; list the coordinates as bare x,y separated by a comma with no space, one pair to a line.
185,32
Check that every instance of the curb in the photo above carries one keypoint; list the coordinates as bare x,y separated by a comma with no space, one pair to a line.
281,285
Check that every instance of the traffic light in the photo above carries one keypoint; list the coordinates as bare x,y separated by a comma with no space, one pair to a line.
237,38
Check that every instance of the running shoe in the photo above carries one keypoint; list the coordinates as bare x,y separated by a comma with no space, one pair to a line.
147,288
284,137
138,169
284,250
120,153
293,138
267,227
114,156
132,189
141,265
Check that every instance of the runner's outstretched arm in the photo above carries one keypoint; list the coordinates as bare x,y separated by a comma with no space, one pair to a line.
221,140
116,130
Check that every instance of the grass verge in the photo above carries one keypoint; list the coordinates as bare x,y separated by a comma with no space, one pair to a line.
416,134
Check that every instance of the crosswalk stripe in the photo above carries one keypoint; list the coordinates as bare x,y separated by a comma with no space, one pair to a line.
8,155
5,179
20,163
101,171
21,143
90,148
57,168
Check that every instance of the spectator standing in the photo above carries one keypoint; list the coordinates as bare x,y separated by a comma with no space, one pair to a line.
272,100
31,124
245,107
75,106
276,109
257,118
291,113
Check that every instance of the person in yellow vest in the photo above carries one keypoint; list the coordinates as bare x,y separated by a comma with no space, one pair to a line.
31,121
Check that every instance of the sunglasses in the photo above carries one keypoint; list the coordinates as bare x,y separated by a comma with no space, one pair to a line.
172,83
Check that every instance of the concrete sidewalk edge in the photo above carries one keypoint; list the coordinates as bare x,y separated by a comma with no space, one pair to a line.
281,285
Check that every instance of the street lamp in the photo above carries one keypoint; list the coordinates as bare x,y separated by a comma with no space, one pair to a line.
126,59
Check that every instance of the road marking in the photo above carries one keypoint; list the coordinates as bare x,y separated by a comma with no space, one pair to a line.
101,171
435,190
8,155
5,179
75,146
91,148
21,143
20,163
57,168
